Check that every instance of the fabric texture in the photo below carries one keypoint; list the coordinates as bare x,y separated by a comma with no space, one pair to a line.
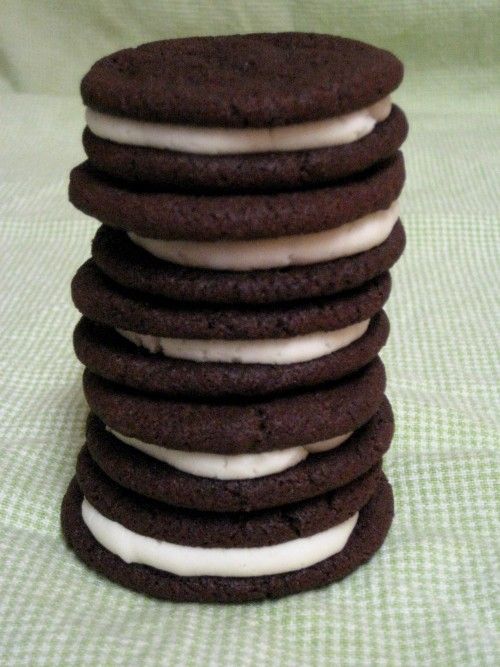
429,596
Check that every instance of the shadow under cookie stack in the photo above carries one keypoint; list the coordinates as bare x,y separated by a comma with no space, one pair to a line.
232,310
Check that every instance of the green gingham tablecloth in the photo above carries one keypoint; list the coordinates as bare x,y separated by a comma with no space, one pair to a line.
428,597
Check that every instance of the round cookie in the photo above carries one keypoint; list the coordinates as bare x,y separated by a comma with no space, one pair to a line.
318,473
129,265
369,533
255,172
103,301
254,80
108,354
173,215
213,529
238,425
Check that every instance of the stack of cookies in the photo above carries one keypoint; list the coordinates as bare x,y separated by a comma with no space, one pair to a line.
247,188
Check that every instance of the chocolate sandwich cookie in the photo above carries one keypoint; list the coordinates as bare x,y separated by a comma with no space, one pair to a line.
242,111
131,266
108,354
238,425
301,474
254,80
254,172
296,548
252,342
172,216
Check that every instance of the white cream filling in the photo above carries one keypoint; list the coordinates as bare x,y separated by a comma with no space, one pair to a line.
187,561
222,140
231,466
277,351
349,239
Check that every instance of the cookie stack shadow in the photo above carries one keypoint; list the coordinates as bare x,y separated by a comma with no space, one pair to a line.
232,316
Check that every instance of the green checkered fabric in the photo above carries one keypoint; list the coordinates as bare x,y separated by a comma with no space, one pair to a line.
428,597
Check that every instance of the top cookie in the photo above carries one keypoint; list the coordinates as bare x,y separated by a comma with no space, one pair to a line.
254,80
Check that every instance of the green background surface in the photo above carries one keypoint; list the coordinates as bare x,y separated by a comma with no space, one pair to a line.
430,596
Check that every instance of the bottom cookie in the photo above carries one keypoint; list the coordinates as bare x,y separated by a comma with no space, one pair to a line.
368,535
